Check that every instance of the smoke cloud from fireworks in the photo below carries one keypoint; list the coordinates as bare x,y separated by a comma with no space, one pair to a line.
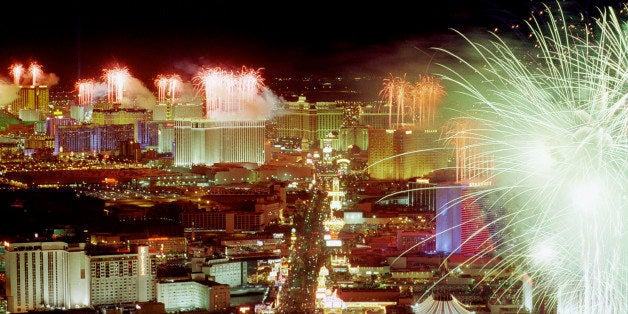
8,93
236,95
32,74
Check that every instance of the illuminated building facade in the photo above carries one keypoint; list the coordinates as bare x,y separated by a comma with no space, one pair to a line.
232,273
422,194
32,97
123,278
461,226
476,238
39,142
209,141
165,140
92,138
53,123
353,136
30,115
228,221
311,122
448,218
46,275
205,295
81,113
120,116
164,245
400,154
156,134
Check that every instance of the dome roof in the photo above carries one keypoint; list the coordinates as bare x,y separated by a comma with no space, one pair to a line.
446,304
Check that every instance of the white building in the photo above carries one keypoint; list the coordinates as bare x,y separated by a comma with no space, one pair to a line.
180,295
123,278
46,275
232,273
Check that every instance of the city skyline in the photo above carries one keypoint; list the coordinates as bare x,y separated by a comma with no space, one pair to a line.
491,171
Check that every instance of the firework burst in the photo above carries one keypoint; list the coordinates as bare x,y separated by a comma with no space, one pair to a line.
556,123
16,70
116,79
168,86
35,70
417,101
228,92
85,92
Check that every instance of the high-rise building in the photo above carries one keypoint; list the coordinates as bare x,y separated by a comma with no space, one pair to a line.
165,138
225,271
32,97
475,232
81,113
461,223
76,138
45,275
400,154
210,141
156,134
123,278
352,136
170,112
422,194
311,122
53,123
121,116
92,138
187,294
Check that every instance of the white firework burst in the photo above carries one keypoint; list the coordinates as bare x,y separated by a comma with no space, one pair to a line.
555,120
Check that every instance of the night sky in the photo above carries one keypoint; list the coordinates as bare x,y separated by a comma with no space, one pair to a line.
77,39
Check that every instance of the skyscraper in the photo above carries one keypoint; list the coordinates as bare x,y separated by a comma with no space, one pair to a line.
310,122
403,153
211,141
121,278
32,97
461,224
46,275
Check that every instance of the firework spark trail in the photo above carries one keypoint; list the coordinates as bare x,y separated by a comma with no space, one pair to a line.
116,78
85,92
419,99
174,84
426,93
16,71
557,127
168,87
228,92
35,70
162,84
